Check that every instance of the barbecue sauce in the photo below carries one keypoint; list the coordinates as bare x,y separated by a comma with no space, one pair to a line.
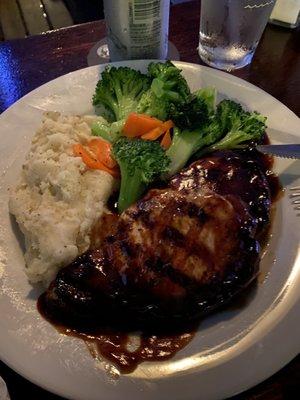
118,349
123,348
153,346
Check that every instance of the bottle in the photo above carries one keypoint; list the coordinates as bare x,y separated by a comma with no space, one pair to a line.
286,13
137,29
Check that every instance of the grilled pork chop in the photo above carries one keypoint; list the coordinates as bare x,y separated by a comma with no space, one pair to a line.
177,254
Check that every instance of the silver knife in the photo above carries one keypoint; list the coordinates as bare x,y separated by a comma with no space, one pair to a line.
281,150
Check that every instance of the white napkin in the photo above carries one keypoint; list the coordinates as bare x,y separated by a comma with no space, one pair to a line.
286,11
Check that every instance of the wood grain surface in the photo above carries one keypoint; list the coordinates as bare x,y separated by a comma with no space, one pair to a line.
33,61
28,63
20,18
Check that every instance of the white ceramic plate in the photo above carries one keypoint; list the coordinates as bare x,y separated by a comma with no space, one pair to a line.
233,349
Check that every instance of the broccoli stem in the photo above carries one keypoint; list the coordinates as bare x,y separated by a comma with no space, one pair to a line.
231,141
102,130
182,148
187,143
110,133
132,188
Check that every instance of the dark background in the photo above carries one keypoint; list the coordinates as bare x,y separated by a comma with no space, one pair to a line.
85,10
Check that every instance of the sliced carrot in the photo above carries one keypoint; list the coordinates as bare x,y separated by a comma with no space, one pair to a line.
153,134
139,124
102,150
168,124
91,161
157,132
88,158
166,140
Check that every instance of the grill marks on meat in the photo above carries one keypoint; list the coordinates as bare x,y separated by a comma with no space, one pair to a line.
231,173
197,247
177,254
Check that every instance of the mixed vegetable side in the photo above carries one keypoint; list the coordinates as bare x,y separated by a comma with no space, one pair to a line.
155,124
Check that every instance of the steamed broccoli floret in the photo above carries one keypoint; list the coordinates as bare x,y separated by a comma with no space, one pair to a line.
168,81
209,96
227,112
196,111
189,115
119,91
140,161
168,87
198,125
239,126
153,106
230,127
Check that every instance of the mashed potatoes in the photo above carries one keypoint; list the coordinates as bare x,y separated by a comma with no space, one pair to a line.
58,200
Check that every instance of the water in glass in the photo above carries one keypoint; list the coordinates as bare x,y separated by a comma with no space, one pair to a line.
230,31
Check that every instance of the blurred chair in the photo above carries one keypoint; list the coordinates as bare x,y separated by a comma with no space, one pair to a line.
21,18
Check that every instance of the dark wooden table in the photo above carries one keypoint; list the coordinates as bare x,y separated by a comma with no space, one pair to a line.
26,64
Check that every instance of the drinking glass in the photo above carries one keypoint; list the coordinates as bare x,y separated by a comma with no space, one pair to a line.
230,31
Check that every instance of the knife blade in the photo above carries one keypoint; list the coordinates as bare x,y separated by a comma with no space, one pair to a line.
281,150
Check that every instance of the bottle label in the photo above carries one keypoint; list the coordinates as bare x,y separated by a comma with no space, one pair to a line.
137,28
145,11
145,28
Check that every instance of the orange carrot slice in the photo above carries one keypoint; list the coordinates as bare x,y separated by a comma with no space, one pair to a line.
139,124
166,140
102,151
153,134
157,132
91,161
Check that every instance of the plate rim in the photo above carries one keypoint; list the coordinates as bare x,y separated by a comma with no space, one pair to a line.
221,73
177,63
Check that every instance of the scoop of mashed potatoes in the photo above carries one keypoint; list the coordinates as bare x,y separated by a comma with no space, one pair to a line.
58,200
